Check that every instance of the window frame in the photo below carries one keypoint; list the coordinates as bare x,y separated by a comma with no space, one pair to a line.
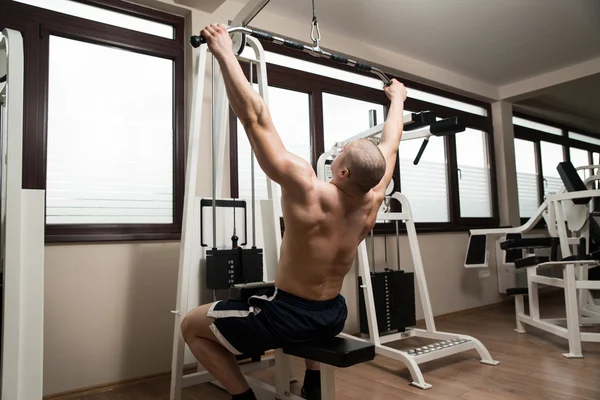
535,136
315,85
36,26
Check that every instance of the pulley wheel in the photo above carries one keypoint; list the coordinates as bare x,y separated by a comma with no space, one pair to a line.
239,42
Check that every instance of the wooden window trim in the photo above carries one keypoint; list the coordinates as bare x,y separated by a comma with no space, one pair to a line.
36,25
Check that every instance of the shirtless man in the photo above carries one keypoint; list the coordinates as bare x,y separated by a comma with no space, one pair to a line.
325,223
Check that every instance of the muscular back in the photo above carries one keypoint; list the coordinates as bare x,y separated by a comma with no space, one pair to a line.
322,232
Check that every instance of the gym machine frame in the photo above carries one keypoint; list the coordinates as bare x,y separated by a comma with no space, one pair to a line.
271,231
22,247
450,343
580,307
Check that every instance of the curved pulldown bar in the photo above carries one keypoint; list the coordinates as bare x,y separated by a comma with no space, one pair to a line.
198,40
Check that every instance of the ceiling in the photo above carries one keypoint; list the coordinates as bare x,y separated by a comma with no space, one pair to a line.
579,100
494,41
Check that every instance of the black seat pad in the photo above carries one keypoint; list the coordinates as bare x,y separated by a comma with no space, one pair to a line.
517,291
339,352
527,243
529,261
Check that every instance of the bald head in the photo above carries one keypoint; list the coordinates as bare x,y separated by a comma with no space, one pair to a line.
365,164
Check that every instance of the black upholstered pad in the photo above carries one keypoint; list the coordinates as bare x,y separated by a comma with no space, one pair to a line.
516,291
527,243
530,261
339,352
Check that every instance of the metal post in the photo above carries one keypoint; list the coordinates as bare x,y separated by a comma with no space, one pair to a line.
214,155
252,176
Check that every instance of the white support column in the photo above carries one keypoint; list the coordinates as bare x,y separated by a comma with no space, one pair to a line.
532,286
327,382
519,309
574,332
282,373
506,171
221,103
185,250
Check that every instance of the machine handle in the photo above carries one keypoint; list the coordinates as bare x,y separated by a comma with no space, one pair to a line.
198,40
421,151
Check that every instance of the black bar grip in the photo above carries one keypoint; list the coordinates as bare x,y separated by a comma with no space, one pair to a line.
197,40
262,35
447,126
293,45
421,151
363,67
339,59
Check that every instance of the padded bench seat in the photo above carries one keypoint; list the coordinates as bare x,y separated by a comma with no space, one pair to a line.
530,261
529,243
338,352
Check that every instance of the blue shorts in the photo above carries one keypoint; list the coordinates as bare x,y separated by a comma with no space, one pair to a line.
265,323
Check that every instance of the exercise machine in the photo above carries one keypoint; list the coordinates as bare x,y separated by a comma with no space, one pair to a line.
336,353
383,306
22,216
571,243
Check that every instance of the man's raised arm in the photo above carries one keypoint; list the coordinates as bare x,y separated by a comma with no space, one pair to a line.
392,131
280,165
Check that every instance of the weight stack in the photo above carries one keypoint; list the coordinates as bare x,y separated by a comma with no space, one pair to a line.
223,268
393,295
252,265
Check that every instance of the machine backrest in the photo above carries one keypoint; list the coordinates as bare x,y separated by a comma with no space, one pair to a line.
573,183
572,180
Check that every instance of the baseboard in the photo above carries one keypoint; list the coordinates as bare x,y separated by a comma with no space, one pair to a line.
106,387
88,391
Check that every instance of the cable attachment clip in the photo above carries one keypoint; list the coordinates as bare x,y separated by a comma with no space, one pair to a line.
315,32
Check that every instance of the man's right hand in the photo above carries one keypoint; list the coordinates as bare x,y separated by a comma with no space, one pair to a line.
396,91
218,40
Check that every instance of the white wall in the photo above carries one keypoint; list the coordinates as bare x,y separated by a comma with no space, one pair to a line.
108,305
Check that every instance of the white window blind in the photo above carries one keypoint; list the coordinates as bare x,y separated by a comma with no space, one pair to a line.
474,182
291,117
344,117
105,16
426,184
110,136
526,178
552,155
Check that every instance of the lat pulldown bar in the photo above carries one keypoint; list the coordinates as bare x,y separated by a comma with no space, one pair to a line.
198,40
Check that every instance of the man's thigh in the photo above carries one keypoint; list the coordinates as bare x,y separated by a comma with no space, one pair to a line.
197,323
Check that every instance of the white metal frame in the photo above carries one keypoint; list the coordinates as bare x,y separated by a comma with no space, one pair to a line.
190,258
23,247
450,343
580,306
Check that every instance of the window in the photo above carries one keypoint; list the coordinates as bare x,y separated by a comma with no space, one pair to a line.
539,147
118,169
335,105
580,158
106,97
474,180
552,155
537,126
105,16
584,138
291,117
425,184
344,117
525,157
